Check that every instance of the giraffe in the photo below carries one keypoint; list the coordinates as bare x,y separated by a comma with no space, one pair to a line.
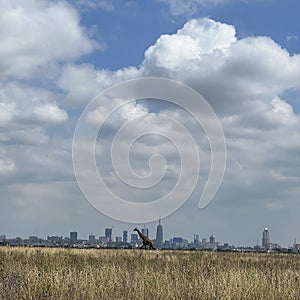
146,240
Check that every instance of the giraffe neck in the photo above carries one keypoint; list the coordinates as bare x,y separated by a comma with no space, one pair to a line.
140,234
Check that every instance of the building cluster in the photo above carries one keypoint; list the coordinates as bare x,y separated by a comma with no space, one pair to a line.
132,241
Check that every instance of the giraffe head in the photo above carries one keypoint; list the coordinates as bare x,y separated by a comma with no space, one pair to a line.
135,229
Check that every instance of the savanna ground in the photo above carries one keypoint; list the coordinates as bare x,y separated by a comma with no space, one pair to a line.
42,273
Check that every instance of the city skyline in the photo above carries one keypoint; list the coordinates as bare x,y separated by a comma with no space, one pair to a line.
157,236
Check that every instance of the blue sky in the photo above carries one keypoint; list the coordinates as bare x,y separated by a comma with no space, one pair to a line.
242,56
135,27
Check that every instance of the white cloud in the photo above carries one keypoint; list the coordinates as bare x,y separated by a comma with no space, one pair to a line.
93,4
38,35
252,60
119,116
282,112
24,136
190,7
24,104
209,34
292,37
7,112
232,74
6,166
80,82
199,45
49,113
83,82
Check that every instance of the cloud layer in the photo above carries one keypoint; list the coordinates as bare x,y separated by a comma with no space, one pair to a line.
44,89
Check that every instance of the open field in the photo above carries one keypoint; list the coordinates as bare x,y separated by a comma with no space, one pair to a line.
38,273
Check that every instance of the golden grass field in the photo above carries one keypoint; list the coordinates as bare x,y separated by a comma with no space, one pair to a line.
44,273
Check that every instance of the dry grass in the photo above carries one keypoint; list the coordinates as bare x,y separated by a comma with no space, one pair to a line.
30,273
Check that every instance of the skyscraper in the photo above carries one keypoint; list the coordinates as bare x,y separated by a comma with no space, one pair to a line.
125,236
159,236
92,239
108,234
73,236
265,239
134,238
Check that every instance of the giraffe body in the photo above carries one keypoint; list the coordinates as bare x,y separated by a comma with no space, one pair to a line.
146,240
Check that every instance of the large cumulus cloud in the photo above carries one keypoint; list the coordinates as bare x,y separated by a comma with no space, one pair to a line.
38,35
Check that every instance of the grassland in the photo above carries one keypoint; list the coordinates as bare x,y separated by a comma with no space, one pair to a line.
32,273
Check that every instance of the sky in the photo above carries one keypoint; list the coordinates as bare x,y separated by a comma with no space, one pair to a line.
242,56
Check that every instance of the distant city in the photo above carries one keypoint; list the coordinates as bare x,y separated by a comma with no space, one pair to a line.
133,241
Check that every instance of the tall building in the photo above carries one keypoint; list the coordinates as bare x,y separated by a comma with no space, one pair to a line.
159,236
92,239
108,234
125,236
145,231
212,243
73,236
118,239
134,238
265,239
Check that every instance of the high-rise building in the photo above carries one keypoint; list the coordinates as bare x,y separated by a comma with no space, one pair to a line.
159,235
134,238
265,239
177,240
125,236
212,239
92,239
108,234
145,231
118,239
196,239
73,236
